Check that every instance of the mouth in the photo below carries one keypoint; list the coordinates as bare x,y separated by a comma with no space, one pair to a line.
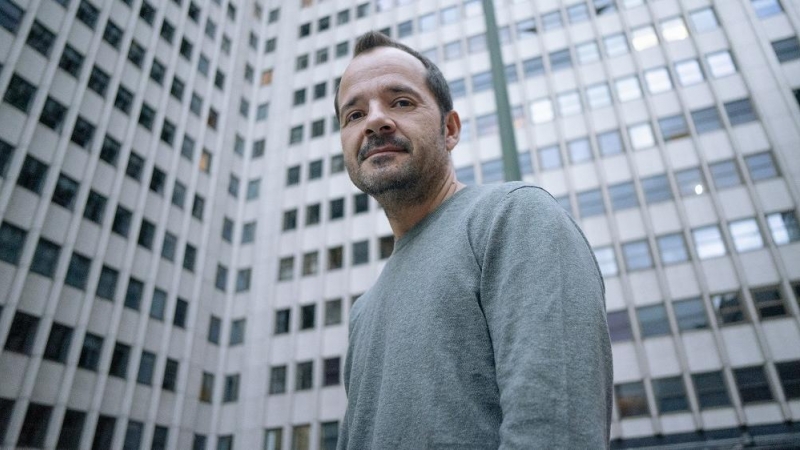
383,145
382,150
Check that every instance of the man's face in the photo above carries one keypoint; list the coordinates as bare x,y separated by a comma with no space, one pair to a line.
391,127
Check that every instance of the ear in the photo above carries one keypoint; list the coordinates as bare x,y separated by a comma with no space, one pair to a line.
452,130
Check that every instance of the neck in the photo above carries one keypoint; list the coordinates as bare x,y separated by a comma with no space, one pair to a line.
404,213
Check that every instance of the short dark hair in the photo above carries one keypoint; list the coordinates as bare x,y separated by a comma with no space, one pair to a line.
434,78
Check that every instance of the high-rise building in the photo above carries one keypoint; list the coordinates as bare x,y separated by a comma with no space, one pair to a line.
180,244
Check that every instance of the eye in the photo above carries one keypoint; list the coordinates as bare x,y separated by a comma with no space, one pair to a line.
355,115
403,103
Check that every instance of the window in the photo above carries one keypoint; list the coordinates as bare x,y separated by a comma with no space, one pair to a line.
45,258
146,365
641,136
221,277
167,31
112,34
656,189
706,120
643,38
72,60
610,143
22,333
761,166
147,234
133,435
248,232
282,321
337,163
542,111
619,326
277,380
752,384
623,196
90,352
34,428
560,60
214,326
290,220
296,134
728,308
708,242
710,389
237,332
766,8
360,203
308,316
653,320
82,133
615,44
673,127
333,312
482,82
631,399
336,209
286,268
590,203
606,260
19,93
310,263
253,188
119,360
360,252
170,375
628,88
768,302
725,174
569,104
157,305
304,376
40,38
231,388
181,311
87,13
136,54
243,280
71,429
670,395
198,205
147,116
703,20
65,191
587,52
58,343
746,235
598,95
53,115
689,72
78,271
637,255
526,29
690,314
10,16
189,256
787,49
405,29
533,67
207,388
335,258
721,64
674,29
104,432
784,227
578,13
789,374
740,111
672,248
133,293
331,367
12,240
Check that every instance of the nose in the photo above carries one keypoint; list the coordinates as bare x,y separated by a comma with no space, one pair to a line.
378,122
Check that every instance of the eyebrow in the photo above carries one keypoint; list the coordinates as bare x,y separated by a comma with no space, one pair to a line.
394,88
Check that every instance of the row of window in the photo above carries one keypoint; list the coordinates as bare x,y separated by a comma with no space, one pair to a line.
360,255
307,320
315,169
313,212
689,182
22,335
711,389
304,376
690,314
708,243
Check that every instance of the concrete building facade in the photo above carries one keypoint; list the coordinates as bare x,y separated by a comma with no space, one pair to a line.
180,244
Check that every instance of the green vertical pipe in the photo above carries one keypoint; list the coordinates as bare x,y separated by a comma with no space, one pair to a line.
508,142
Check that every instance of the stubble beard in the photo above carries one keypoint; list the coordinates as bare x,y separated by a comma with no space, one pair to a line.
396,184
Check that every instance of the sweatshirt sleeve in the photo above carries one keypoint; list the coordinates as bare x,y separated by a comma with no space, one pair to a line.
543,298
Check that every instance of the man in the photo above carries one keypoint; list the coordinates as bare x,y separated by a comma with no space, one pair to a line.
486,328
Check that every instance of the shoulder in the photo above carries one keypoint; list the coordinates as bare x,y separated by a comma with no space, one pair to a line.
491,202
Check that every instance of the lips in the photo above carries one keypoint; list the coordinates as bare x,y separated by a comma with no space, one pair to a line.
385,144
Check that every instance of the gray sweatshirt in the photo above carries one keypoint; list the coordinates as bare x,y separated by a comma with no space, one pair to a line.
486,329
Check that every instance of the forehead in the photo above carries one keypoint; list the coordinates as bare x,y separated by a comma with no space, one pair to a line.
381,66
